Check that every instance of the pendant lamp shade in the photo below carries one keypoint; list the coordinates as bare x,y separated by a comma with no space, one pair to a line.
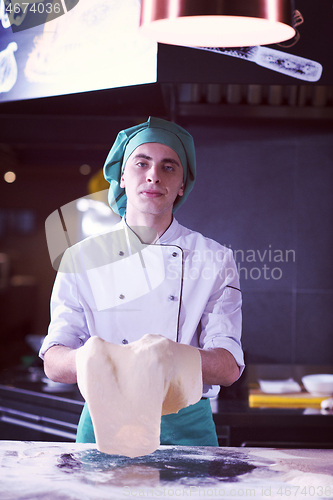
217,23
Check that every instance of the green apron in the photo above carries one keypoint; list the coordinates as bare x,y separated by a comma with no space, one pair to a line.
191,426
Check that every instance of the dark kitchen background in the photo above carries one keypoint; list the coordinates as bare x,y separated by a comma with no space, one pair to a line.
264,187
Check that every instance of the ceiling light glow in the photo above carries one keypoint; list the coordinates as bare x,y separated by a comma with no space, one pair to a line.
217,23
10,177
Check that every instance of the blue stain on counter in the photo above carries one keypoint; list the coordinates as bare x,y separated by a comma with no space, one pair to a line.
180,464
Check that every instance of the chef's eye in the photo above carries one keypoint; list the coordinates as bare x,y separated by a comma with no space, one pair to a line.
141,164
169,168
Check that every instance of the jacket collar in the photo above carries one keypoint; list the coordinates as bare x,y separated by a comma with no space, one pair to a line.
166,238
170,234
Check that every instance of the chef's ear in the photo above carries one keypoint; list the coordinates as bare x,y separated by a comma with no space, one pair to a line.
181,191
122,180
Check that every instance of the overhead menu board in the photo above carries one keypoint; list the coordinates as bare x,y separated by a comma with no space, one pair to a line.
53,47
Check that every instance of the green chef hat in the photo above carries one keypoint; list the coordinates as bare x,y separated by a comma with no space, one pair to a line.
154,130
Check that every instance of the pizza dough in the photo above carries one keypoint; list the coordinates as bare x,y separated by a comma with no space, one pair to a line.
128,388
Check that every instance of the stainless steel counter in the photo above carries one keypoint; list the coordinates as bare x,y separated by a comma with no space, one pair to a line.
67,471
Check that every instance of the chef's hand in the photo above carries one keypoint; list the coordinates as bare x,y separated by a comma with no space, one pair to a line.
60,364
218,367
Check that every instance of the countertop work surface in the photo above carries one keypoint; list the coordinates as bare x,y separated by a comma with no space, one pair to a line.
67,471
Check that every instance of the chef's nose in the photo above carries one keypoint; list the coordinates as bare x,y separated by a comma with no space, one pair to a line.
153,175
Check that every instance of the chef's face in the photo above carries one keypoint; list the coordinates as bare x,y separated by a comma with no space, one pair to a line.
153,177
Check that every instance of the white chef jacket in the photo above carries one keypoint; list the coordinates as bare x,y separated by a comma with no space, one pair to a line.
184,287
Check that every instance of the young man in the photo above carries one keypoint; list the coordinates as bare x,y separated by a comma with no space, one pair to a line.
192,296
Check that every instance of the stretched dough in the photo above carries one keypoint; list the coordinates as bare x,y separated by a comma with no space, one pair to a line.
128,388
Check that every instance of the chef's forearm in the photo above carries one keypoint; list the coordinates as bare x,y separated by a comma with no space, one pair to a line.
218,367
60,364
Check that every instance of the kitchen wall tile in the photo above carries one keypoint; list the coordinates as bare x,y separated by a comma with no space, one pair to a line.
315,214
314,320
267,327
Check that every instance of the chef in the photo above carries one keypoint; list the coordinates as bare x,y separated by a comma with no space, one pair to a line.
150,275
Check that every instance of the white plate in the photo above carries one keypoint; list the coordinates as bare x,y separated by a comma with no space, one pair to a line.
279,386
